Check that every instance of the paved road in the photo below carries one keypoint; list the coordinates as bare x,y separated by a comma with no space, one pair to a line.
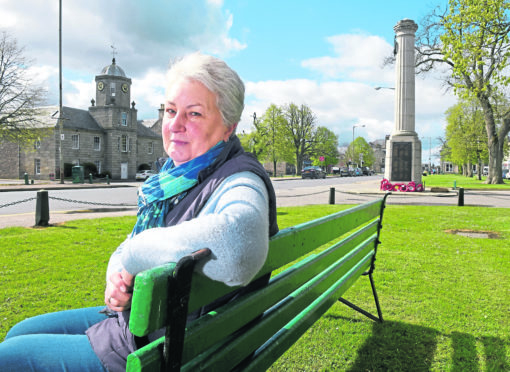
289,193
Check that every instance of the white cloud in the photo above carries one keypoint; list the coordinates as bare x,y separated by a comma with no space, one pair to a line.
357,57
145,39
353,101
80,95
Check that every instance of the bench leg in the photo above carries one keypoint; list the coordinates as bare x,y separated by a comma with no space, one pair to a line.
364,312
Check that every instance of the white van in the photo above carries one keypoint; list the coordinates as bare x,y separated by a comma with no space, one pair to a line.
485,171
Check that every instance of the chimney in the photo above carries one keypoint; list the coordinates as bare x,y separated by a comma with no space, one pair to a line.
161,111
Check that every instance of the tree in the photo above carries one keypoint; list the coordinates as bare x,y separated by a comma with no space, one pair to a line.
299,127
324,144
471,39
19,97
361,152
256,141
278,146
465,135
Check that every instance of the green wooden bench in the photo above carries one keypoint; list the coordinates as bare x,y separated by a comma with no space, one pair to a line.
253,331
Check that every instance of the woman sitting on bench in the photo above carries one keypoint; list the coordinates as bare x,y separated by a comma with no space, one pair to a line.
209,193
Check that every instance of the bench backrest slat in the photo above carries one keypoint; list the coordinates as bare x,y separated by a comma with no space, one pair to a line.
310,235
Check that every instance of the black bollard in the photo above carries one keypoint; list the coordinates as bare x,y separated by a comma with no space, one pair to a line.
460,203
42,209
331,195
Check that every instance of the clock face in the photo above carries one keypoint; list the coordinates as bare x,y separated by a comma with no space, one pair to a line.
100,85
124,88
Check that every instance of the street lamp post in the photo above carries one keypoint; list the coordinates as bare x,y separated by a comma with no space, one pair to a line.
355,126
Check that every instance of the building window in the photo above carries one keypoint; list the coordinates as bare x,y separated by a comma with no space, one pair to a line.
112,89
76,141
124,143
98,166
97,143
448,167
37,166
37,144
150,150
123,118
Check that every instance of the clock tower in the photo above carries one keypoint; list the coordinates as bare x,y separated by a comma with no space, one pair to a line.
118,118
113,88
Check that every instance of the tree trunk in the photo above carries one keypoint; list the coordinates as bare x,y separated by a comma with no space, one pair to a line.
299,163
495,141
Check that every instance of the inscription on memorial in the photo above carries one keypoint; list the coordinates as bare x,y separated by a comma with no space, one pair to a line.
402,161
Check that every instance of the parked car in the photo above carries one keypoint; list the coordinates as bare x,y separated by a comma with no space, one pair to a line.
367,171
345,172
144,174
357,172
313,172
335,170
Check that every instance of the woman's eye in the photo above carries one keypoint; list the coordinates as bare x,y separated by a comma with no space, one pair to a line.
194,113
170,112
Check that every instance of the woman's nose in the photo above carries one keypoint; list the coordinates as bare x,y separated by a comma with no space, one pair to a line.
177,123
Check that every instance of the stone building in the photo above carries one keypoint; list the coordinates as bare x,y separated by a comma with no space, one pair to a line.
108,135
379,148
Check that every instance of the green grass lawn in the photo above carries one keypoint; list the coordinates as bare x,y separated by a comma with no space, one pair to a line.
448,180
445,297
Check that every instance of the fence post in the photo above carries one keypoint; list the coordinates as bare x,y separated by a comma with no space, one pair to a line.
25,176
331,195
460,202
90,177
42,209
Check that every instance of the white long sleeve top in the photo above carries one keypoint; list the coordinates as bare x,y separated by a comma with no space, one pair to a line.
234,224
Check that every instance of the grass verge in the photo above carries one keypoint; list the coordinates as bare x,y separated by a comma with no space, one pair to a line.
448,180
444,297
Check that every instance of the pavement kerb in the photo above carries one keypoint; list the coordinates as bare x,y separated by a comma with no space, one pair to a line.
363,188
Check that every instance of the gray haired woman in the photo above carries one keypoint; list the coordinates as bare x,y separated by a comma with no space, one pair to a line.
208,193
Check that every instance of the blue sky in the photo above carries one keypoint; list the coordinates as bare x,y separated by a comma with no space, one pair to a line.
326,54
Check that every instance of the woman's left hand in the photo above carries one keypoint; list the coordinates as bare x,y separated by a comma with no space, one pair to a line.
119,291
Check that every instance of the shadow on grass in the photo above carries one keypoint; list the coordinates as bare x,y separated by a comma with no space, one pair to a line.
396,346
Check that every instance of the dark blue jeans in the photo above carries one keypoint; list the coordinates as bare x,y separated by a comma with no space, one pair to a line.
52,342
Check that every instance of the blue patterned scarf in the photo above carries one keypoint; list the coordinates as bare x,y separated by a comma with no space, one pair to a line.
160,192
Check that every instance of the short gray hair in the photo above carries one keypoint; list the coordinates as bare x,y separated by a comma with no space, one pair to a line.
218,77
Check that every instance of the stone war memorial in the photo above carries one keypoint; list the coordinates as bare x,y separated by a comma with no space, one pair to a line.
403,148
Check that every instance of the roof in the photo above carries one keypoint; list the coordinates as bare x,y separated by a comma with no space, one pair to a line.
148,123
113,70
143,131
73,118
